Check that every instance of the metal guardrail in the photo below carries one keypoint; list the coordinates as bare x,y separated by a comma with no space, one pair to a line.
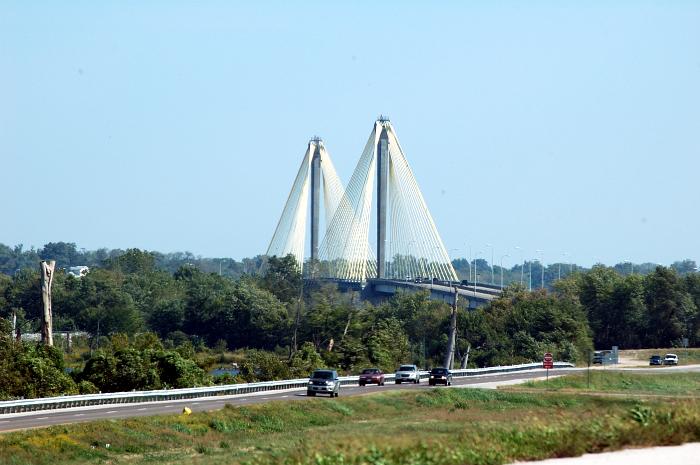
53,403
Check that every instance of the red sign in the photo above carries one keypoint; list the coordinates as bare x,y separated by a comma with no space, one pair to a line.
548,361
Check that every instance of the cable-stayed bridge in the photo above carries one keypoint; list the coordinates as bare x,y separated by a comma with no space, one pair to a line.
407,253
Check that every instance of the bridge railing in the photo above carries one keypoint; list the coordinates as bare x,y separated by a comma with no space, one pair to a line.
132,397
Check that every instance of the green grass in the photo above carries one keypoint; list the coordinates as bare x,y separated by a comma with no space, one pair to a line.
437,427
664,383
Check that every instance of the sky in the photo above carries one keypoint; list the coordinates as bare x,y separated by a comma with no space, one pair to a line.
567,127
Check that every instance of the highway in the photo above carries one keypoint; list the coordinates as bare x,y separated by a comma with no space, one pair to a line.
39,419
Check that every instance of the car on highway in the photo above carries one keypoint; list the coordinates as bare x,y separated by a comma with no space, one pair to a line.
656,360
440,376
598,357
323,382
670,359
407,374
371,376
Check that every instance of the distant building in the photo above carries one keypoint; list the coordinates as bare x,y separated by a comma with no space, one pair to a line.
78,271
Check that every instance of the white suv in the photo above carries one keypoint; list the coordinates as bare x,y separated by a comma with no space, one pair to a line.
407,373
671,359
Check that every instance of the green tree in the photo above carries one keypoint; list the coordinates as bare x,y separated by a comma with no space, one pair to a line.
132,261
283,278
615,307
692,286
671,310
65,253
263,366
387,344
305,360
29,369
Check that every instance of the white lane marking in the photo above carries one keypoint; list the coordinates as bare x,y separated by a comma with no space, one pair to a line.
79,415
141,409
111,411
195,403
283,397
42,418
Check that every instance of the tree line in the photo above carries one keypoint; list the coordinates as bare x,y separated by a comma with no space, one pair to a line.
148,326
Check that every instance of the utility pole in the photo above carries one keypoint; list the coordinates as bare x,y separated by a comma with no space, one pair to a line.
452,337
47,272
493,275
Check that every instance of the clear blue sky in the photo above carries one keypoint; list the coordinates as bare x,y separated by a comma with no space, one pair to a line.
180,125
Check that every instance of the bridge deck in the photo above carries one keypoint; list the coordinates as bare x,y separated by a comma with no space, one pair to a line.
439,290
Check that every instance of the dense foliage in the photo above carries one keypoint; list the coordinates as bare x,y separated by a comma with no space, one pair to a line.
31,370
147,323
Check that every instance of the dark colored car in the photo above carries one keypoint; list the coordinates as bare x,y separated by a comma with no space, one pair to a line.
598,357
323,382
440,376
372,376
656,360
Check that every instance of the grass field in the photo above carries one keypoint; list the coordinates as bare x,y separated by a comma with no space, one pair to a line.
689,356
440,426
663,383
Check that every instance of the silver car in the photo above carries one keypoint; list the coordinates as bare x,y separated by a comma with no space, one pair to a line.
407,374
323,382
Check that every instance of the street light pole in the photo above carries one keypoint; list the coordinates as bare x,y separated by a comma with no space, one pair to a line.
541,252
529,275
504,256
522,263
469,260
565,254
476,275
493,279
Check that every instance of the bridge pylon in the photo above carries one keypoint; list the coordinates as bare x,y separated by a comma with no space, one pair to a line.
317,175
407,240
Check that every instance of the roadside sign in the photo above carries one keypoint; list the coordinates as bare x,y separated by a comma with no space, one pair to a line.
548,361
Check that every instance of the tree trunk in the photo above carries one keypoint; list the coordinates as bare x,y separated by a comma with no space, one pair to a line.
347,326
465,360
452,337
293,346
47,271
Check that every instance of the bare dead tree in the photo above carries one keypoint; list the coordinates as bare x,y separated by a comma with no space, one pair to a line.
452,336
465,359
47,272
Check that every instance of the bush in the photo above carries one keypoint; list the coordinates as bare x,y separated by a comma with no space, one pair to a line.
131,369
263,366
86,387
32,370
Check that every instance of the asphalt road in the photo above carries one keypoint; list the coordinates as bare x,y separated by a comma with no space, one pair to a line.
28,420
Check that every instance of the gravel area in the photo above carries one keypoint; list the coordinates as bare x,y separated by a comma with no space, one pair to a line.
687,454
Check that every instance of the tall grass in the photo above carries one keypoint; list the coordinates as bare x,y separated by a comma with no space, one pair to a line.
437,427
661,383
